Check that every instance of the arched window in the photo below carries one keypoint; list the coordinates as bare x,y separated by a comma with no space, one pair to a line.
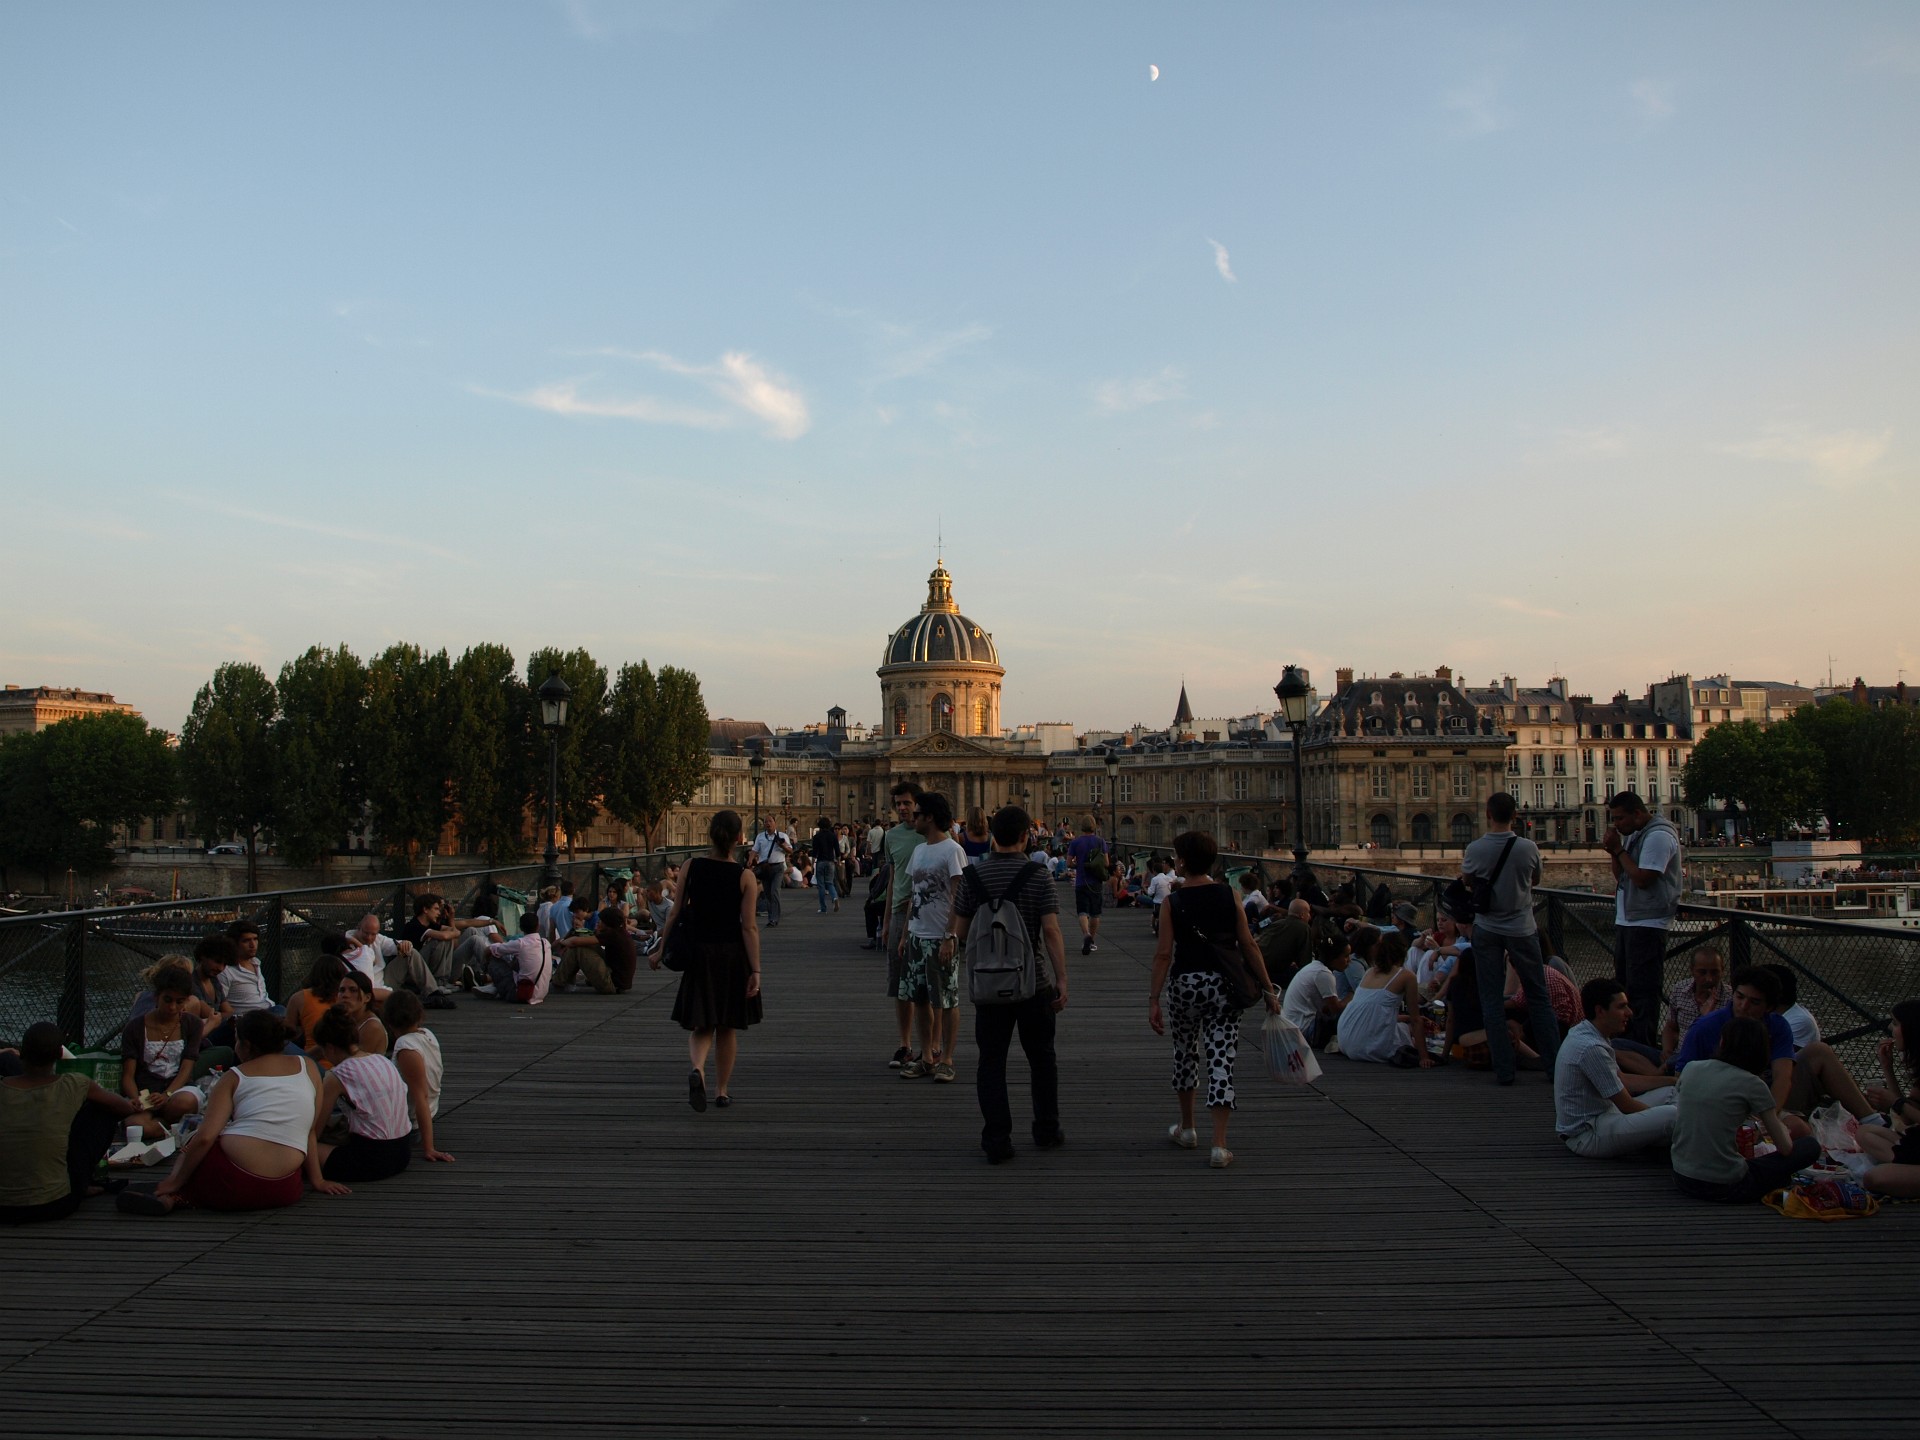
1382,829
943,712
1422,827
982,716
899,717
1462,829
1154,829
1126,827
1179,824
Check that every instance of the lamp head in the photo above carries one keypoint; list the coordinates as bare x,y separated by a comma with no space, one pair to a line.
1292,692
553,694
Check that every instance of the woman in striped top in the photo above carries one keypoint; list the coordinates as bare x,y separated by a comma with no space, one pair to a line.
379,1140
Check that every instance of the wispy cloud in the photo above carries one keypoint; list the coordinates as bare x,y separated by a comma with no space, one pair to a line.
1476,107
1114,397
736,377
359,536
906,352
1223,263
1835,457
1524,607
1652,99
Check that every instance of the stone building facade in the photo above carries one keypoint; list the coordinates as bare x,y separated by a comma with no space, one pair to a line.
35,708
1398,760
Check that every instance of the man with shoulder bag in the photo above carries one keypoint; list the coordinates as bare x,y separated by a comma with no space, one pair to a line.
1006,921
1646,854
1500,869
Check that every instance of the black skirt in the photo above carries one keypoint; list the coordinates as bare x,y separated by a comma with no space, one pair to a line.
713,989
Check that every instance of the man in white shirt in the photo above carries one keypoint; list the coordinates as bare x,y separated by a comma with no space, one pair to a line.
1313,1001
932,975
1594,1109
397,965
1806,1029
528,956
771,849
1159,887
1646,855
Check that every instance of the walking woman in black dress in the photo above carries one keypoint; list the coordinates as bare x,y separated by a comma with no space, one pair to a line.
720,986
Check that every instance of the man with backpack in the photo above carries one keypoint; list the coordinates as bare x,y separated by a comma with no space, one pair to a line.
1500,870
1088,855
1007,922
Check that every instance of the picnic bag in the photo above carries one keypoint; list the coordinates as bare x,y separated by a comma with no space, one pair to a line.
1290,1059
1002,965
1823,1200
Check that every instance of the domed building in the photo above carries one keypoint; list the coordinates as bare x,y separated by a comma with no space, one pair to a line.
940,673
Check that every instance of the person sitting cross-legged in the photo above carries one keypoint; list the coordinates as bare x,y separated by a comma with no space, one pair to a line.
379,1132
261,1130
528,957
53,1131
1716,1096
1596,1110
1313,1002
1896,1152
1371,1027
577,950
158,1050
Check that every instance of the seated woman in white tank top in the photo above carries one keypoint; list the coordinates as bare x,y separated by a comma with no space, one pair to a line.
258,1140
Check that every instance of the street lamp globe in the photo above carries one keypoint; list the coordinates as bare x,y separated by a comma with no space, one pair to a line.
1293,692
554,693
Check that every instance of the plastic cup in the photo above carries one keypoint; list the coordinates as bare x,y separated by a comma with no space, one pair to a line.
135,1134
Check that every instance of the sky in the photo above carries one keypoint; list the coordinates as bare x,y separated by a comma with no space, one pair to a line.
1526,339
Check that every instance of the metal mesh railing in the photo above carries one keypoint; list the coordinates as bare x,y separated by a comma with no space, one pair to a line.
1850,975
83,968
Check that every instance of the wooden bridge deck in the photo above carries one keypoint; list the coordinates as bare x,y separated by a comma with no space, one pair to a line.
833,1256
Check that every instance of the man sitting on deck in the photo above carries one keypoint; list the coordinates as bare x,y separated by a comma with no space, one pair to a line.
1594,1108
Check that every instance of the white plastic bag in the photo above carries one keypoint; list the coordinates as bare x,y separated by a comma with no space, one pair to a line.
1836,1130
1290,1059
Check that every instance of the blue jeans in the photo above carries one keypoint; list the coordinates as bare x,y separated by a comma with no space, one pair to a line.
825,882
1491,956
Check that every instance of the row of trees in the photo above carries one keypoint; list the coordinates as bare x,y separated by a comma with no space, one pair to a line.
412,740
65,789
1859,767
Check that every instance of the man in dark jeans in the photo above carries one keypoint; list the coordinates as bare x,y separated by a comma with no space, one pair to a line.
1646,854
993,879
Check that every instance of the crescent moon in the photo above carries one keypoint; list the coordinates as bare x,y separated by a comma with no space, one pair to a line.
1153,72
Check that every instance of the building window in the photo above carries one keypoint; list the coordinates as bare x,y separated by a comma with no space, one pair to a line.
1200,786
1153,787
1377,774
1606,758
1382,829
1673,759
1536,737
1559,764
943,712
1273,784
729,791
1125,785
899,717
1632,758
786,792
1179,787
982,714
1239,785
1539,766
1589,794
1422,778
1422,827
1539,797
1513,764
1653,792
1559,794
1462,829
1586,759
704,795
1462,782
1094,788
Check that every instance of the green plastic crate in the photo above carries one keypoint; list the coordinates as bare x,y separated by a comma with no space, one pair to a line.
100,1066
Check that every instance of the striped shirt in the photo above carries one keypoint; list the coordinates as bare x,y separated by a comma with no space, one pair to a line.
376,1097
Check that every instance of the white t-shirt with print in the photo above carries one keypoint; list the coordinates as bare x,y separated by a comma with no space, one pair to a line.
930,873
1656,852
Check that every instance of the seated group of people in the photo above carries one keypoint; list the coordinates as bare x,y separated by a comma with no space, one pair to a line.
323,1093
1745,1073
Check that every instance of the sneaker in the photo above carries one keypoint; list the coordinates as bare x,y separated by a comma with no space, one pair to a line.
900,1057
1091,947
1220,1157
1185,1139
468,980
914,1069
943,1072
439,1000
1050,1142
488,989
1086,945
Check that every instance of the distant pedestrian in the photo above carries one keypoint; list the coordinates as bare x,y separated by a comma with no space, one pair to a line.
896,848
1504,932
1088,856
719,992
772,854
1008,876
1199,1011
1646,854
826,864
932,976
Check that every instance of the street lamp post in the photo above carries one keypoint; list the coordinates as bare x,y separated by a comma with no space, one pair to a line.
1113,800
1057,784
553,694
1294,692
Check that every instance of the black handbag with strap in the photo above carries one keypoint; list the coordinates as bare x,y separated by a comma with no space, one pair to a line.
1480,887
1242,982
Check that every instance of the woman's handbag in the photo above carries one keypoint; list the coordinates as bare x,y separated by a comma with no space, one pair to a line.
526,986
1242,982
677,949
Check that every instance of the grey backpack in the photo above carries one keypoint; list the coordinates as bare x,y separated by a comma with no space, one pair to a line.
1002,966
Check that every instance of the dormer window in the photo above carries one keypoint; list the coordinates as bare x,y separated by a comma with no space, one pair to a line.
1446,700
1378,698
1414,722
1412,699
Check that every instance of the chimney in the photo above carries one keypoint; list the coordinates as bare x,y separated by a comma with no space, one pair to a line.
1343,677
1443,673
1506,684
1620,697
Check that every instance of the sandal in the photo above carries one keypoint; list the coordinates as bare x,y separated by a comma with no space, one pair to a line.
721,1102
1220,1158
1184,1138
696,1090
